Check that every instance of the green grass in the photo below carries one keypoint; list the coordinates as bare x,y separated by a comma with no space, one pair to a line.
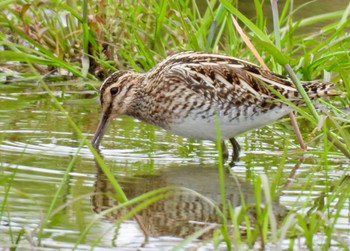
55,41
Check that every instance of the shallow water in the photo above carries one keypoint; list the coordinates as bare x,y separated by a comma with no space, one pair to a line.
38,144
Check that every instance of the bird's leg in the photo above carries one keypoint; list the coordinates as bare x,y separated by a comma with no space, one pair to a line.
225,153
235,150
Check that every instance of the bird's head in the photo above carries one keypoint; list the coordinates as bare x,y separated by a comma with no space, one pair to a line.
116,95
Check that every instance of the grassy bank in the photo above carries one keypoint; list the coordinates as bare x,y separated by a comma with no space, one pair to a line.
44,42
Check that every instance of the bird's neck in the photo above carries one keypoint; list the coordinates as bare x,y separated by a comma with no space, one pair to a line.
144,106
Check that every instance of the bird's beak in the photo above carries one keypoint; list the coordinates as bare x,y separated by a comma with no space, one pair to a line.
100,131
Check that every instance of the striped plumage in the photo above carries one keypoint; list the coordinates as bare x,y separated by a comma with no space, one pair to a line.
185,92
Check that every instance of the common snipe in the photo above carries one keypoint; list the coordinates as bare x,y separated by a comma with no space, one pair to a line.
185,92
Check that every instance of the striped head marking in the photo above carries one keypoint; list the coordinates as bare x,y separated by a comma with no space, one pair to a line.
116,94
115,90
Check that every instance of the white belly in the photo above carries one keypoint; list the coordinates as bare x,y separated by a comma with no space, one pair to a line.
196,127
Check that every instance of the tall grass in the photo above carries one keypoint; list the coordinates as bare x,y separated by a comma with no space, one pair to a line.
56,41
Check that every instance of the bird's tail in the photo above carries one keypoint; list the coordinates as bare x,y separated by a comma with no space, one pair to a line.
317,89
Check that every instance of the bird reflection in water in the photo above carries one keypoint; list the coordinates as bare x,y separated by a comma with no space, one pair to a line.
184,212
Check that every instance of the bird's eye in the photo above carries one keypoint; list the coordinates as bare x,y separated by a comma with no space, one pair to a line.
114,90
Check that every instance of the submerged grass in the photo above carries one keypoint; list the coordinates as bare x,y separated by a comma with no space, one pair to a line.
54,40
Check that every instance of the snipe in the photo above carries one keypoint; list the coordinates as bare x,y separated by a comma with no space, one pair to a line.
186,92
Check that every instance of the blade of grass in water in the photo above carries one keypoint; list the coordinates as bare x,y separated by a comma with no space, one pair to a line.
301,90
85,59
222,185
5,206
120,194
192,237
64,180
277,32
345,17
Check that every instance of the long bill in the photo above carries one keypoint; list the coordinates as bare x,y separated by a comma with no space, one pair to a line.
95,142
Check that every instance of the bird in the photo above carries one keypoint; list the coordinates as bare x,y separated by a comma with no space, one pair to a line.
193,93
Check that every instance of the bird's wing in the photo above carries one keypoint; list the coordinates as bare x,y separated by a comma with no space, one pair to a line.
224,79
